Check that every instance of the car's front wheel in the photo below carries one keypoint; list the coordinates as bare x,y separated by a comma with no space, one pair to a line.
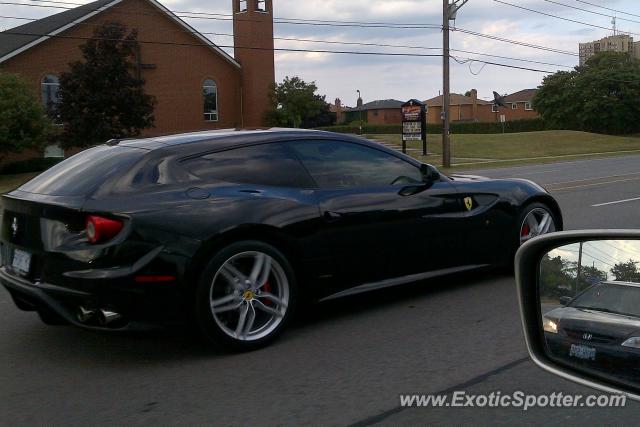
536,219
245,295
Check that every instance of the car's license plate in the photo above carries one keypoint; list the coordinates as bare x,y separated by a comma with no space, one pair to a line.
21,261
582,352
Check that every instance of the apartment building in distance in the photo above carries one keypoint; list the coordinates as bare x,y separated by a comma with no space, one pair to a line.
615,43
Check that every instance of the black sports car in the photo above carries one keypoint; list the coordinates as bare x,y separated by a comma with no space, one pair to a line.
598,329
233,228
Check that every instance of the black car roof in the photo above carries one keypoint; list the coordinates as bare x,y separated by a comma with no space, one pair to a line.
228,138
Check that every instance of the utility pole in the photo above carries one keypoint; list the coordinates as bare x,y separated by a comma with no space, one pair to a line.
449,11
446,147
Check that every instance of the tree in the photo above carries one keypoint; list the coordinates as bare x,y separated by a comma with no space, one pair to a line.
626,271
601,96
294,102
102,97
23,120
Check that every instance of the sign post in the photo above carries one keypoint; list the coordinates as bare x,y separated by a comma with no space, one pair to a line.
414,124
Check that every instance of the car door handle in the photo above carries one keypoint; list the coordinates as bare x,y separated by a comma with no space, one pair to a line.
330,216
410,190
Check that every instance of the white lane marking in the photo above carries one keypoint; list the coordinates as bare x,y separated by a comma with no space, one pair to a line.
616,202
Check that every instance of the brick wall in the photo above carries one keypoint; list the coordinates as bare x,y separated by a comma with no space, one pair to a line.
176,80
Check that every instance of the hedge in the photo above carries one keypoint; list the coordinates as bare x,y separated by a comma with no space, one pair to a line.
37,164
530,125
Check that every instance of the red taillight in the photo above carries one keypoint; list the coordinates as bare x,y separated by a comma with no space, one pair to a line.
100,229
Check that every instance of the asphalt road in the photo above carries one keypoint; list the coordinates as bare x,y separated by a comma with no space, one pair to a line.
343,362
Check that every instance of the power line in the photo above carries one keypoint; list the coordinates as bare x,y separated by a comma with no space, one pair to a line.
335,42
397,54
560,17
607,8
329,23
226,17
593,12
516,42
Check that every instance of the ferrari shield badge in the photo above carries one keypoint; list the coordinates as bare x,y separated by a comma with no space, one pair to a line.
468,203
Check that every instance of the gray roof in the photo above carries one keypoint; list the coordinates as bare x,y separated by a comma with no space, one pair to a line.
520,96
32,31
380,104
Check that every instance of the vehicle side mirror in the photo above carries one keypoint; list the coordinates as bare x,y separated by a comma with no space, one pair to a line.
579,297
429,173
565,300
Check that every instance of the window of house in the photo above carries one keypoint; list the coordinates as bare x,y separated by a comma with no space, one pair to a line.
528,106
50,86
514,105
495,108
261,6
338,164
267,164
243,6
210,95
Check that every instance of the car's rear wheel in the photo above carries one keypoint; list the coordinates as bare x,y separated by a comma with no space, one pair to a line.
245,295
536,219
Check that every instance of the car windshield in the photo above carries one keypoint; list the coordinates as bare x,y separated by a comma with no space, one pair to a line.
610,298
81,174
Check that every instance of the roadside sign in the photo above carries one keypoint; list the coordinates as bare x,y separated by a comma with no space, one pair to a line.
414,124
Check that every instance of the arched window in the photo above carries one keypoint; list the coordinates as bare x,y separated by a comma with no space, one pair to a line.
210,95
50,86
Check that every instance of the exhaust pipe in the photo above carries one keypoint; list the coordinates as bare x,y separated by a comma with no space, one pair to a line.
106,317
85,314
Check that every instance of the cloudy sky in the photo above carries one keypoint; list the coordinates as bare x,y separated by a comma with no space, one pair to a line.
383,77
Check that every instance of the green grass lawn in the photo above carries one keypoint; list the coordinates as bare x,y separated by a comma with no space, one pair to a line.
9,182
495,150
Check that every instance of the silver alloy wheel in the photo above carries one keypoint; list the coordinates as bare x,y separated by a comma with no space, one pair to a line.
249,295
537,222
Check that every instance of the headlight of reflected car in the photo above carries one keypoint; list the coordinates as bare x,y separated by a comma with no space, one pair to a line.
549,325
633,342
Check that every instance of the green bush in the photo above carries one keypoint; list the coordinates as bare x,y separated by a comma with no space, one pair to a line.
37,164
531,125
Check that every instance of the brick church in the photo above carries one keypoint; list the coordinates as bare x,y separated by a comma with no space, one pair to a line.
197,85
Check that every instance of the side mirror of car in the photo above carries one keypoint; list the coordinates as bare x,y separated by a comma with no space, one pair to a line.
429,173
565,300
580,304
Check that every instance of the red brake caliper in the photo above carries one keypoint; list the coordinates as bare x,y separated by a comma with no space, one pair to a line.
267,289
525,230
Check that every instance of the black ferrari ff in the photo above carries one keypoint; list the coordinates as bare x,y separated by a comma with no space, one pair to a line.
233,228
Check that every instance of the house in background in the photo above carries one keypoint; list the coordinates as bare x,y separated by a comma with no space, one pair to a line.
519,106
197,85
380,112
461,108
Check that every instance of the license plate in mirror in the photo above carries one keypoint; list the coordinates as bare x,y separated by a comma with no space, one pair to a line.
21,261
582,352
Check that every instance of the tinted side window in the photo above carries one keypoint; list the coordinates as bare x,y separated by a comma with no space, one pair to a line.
343,164
79,175
267,164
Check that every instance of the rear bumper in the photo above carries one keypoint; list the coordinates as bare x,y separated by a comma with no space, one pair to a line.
140,308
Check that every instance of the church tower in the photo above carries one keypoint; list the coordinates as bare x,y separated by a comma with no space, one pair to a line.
253,49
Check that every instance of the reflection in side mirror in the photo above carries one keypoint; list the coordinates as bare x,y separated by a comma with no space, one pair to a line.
429,173
590,308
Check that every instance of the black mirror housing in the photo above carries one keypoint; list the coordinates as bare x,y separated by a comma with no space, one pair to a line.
565,300
429,173
543,316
